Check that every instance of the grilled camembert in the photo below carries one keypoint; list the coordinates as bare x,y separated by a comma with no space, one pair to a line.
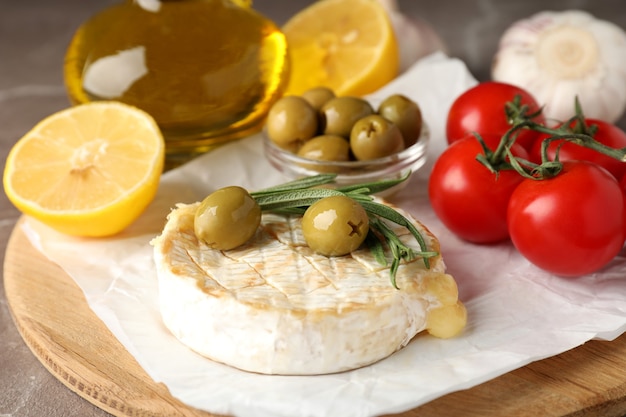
274,306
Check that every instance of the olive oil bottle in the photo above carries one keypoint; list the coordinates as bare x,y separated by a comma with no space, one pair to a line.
207,70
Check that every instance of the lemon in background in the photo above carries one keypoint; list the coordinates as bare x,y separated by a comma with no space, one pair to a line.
346,45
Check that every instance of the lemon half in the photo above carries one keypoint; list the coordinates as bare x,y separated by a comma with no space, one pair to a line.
346,45
89,170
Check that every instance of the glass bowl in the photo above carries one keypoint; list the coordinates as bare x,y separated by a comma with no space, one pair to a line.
393,166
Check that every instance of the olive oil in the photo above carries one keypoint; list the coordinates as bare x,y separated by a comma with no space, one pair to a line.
207,70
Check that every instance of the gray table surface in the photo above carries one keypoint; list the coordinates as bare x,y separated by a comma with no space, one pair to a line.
33,37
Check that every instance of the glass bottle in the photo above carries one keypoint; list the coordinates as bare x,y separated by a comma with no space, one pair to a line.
207,70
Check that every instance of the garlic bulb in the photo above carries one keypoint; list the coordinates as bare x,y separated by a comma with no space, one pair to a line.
416,38
557,56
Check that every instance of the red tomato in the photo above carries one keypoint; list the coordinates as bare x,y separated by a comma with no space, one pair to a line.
607,134
622,184
469,199
481,109
571,224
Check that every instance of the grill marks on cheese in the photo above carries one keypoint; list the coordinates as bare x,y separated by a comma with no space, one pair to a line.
262,270
273,306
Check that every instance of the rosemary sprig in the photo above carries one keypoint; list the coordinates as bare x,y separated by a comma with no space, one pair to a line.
377,186
299,184
399,251
294,197
375,245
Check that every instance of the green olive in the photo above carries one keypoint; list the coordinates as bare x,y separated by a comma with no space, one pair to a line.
341,113
326,148
318,96
290,122
375,137
335,226
404,113
227,218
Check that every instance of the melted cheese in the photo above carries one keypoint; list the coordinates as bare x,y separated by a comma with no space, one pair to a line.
274,306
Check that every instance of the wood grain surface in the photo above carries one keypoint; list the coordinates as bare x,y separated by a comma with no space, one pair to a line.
76,347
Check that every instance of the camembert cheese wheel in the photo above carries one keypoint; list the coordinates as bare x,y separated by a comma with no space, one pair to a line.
274,306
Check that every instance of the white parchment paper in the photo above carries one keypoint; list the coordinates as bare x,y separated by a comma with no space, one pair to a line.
517,313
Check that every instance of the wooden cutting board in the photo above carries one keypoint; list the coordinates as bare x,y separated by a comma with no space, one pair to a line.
76,347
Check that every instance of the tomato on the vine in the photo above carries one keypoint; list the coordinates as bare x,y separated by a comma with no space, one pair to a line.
571,224
605,133
481,109
469,199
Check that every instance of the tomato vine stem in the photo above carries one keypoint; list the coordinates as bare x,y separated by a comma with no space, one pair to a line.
575,130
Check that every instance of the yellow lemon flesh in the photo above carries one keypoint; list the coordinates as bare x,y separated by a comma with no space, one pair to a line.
346,45
89,170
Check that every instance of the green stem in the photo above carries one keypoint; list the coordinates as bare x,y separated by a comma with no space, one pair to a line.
581,134
375,245
587,142
390,214
399,250
299,184
376,186
293,198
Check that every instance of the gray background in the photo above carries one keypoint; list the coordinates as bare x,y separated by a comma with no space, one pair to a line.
33,37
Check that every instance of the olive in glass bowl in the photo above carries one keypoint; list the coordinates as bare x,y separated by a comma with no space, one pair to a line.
326,153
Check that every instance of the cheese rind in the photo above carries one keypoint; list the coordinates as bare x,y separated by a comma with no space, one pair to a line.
274,306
